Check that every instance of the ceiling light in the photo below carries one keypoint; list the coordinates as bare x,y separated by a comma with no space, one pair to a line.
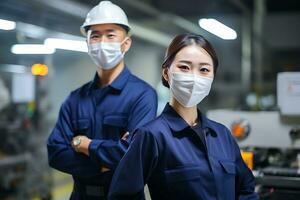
7,25
217,28
13,68
73,45
32,49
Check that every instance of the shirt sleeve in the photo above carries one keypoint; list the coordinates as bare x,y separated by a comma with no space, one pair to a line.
108,152
143,111
61,155
135,168
245,181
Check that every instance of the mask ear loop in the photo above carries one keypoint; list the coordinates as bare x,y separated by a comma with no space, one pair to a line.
124,40
170,74
121,43
171,68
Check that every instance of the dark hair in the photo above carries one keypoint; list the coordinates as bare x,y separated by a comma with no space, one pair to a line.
126,28
183,40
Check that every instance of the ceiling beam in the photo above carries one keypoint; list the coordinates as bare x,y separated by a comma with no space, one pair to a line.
240,5
164,16
80,10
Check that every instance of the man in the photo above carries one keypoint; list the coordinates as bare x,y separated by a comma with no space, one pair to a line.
90,135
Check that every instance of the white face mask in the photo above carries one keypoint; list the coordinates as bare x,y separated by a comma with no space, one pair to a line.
189,89
106,55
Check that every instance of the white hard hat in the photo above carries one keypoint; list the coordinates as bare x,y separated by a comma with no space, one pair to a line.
105,13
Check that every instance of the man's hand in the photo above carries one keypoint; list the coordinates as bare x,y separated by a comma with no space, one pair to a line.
125,136
83,146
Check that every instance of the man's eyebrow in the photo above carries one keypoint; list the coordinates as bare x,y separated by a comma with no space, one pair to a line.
105,31
95,31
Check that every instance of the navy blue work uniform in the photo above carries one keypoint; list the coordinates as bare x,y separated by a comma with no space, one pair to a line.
103,115
178,161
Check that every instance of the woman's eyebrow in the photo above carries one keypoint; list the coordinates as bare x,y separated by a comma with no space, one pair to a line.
205,63
185,61
189,62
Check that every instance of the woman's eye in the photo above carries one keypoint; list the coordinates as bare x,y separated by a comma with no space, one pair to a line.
183,67
204,69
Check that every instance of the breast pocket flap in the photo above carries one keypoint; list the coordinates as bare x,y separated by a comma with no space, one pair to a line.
228,166
115,120
81,124
182,174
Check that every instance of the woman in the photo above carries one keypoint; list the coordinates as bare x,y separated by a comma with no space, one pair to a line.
182,154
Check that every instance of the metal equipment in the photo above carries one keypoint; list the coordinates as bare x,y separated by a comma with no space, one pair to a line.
24,171
273,140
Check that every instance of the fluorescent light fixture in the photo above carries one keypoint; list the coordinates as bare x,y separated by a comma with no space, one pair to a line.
73,45
32,31
31,49
14,68
7,25
217,28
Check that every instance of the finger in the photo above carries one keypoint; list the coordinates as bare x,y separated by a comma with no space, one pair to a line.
72,143
125,136
104,169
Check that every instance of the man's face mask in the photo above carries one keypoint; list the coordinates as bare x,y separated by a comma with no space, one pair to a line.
189,89
106,55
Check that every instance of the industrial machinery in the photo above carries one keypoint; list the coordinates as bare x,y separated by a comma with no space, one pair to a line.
270,140
23,159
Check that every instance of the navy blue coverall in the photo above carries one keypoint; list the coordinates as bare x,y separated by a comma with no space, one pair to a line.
179,162
103,115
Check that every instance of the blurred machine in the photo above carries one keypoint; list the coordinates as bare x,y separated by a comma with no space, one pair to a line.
23,158
270,140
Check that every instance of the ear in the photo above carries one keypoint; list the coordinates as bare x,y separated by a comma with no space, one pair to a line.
165,74
127,44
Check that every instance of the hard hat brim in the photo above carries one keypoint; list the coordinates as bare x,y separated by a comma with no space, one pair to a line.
84,28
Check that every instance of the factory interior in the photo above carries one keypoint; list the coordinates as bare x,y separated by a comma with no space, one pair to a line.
256,91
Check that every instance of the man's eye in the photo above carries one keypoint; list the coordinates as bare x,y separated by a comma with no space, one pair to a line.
94,36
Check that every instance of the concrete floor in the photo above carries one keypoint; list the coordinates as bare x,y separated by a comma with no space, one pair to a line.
62,185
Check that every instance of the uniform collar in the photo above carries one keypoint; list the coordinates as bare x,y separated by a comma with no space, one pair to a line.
119,82
177,123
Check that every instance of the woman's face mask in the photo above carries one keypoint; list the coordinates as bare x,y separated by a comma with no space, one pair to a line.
106,55
191,75
189,89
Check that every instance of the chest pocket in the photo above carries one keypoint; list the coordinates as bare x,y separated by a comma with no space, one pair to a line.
114,126
81,127
228,167
227,178
185,182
